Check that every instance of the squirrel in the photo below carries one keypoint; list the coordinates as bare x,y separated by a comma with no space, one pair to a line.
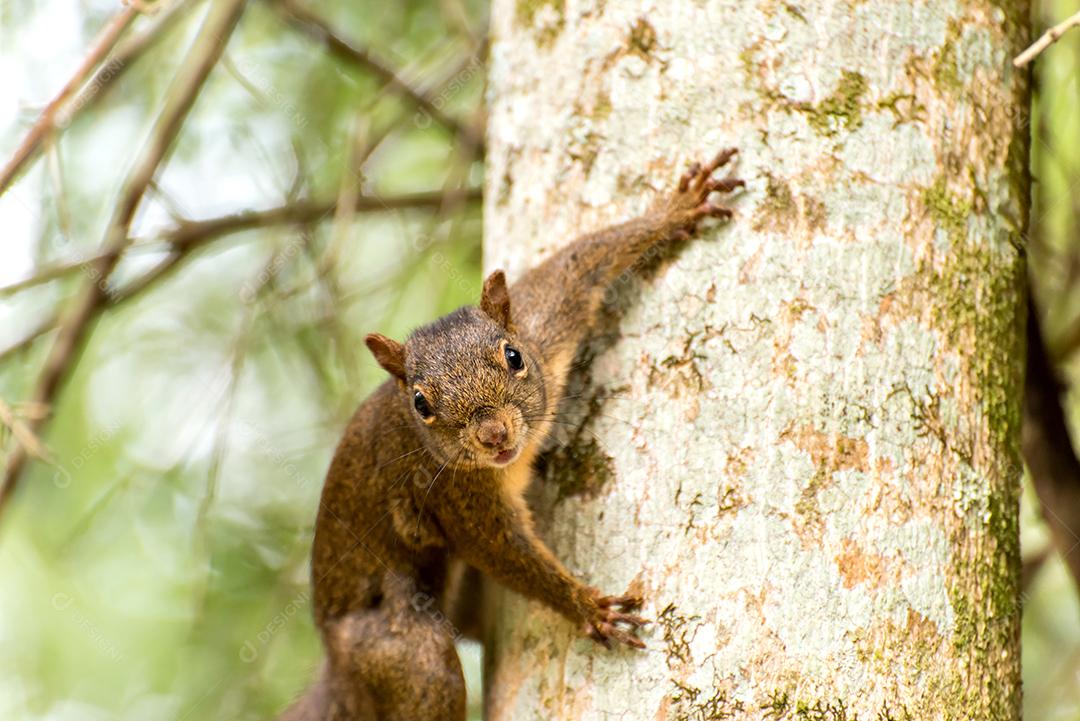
433,466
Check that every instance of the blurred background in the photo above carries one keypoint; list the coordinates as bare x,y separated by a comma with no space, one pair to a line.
155,567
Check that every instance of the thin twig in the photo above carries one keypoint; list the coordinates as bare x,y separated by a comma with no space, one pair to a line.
200,535
299,213
203,55
199,232
183,239
45,326
130,290
1048,38
101,46
457,17
125,52
25,437
324,265
48,273
350,53
349,191
56,179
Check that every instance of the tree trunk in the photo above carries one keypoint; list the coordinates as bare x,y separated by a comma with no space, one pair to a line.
801,441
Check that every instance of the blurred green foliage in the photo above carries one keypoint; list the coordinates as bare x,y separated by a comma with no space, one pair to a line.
1051,623
159,569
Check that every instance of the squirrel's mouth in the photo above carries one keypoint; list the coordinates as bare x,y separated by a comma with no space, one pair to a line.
504,457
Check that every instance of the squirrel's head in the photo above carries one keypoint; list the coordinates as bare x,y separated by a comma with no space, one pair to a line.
474,391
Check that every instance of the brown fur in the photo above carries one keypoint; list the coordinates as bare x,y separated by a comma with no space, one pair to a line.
407,495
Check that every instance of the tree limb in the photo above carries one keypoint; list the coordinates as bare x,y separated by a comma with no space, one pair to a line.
300,213
200,232
67,107
203,55
186,237
126,53
1048,38
341,48
1048,449
102,44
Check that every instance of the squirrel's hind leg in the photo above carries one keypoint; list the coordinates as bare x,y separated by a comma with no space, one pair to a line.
398,666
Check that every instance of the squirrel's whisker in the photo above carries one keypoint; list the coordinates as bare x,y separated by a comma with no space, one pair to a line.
403,455
432,485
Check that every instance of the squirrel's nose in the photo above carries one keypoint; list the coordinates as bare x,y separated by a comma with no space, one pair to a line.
491,432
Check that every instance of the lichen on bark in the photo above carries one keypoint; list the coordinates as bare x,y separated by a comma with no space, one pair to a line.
805,456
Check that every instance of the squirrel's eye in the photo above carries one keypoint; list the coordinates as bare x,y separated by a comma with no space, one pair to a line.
421,405
513,358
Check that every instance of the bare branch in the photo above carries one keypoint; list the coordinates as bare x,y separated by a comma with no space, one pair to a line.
1048,449
1048,38
48,273
350,53
203,55
68,103
25,437
102,44
127,52
127,292
185,238
42,328
299,213
192,234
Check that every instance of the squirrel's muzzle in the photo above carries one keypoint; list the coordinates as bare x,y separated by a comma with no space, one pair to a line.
492,432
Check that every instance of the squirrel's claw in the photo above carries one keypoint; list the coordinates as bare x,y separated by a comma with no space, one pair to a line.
612,617
701,175
708,210
690,203
604,633
720,160
611,611
724,185
596,634
625,602
694,171
629,618
628,639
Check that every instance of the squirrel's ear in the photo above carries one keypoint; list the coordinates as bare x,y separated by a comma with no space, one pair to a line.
389,353
495,300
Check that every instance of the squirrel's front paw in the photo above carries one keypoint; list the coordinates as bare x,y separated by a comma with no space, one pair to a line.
690,203
607,612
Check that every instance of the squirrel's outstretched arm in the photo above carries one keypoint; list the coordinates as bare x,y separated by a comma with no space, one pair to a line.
462,387
558,301
505,547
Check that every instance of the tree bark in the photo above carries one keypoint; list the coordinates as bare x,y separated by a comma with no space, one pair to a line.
800,442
